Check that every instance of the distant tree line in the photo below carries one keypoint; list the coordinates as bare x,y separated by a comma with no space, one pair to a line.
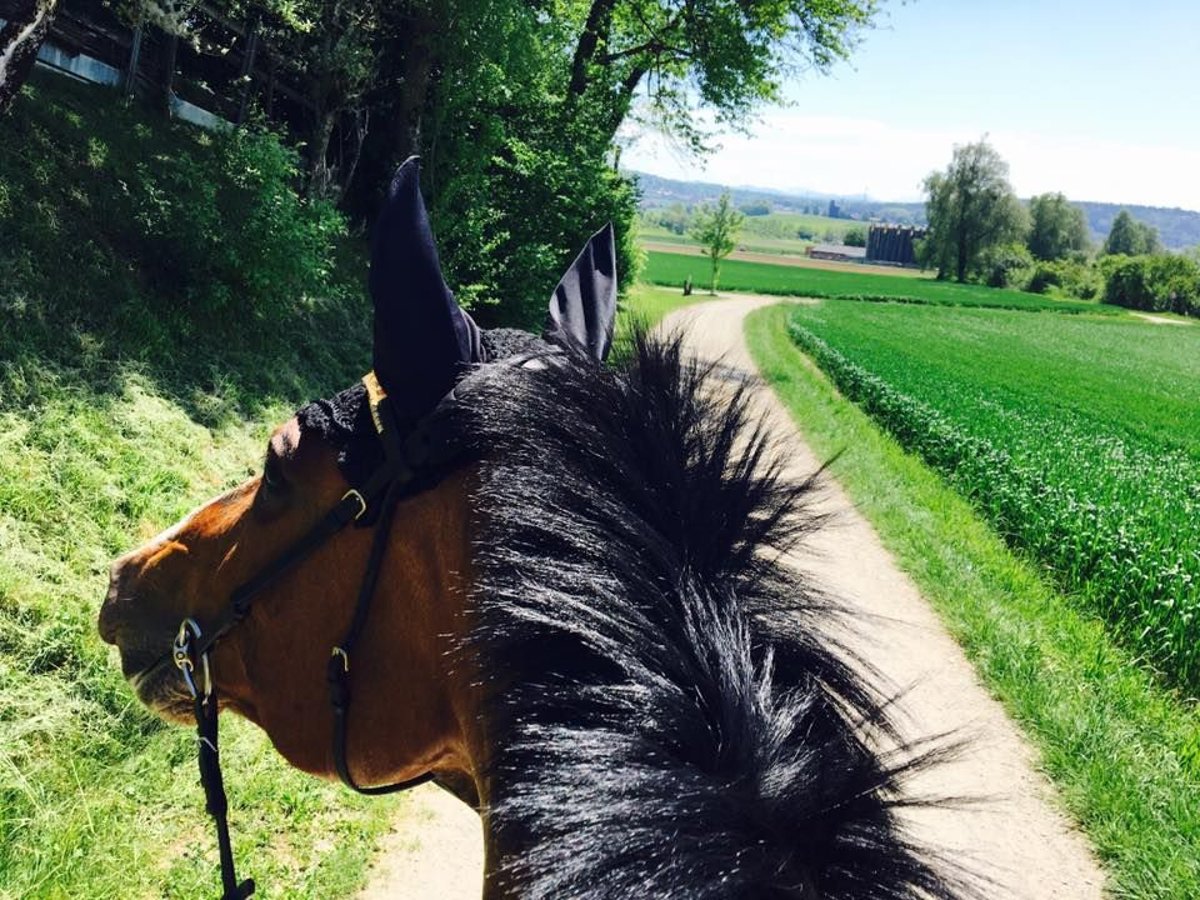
980,231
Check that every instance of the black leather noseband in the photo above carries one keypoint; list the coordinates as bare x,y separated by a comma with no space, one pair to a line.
413,461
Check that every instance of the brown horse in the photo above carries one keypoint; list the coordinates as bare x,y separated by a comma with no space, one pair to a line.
581,623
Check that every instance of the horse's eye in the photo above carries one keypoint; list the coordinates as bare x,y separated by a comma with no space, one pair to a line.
272,477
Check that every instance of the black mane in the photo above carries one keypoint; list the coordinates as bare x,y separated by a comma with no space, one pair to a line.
669,716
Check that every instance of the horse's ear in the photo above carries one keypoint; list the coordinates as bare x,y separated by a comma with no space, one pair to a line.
422,339
583,307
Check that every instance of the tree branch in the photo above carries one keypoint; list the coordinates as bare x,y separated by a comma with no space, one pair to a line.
597,22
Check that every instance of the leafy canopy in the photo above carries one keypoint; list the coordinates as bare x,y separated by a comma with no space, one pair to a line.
726,56
1130,237
1057,228
971,209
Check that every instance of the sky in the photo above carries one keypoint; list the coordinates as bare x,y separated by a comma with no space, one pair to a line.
1095,99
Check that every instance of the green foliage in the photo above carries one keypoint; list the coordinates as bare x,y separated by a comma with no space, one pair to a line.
514,189
1068,277
855,237
1078,439
724,55
755,209
1057,228
116,204
971,210
716,230
898,285
1006,266
224,229
1161,283
675,218
1130,237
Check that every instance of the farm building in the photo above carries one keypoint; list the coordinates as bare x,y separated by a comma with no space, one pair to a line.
893,244
836,251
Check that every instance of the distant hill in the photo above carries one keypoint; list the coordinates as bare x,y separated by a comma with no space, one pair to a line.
1178,228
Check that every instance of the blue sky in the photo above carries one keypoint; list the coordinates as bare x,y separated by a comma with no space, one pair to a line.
1096,99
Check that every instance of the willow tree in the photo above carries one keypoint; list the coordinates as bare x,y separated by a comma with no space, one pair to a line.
971,209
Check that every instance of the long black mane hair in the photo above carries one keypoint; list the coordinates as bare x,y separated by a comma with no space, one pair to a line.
669,714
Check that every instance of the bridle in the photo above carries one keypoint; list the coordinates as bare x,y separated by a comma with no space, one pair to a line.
414,459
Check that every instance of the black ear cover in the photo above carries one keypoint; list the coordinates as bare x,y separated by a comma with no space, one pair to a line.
583,307
422,339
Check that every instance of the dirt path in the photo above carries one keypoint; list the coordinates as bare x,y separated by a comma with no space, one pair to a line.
1160,320
1029,848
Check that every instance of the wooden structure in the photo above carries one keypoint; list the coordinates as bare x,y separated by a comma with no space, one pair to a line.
213,76
893,244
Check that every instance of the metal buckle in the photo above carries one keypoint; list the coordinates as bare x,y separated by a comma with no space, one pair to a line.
181,652
338,651
362,503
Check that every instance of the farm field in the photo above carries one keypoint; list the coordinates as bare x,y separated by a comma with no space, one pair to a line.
776,233
1078,438
692,251
803,281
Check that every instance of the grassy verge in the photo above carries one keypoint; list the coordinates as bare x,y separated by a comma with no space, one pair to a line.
803,281
1124,754
649,304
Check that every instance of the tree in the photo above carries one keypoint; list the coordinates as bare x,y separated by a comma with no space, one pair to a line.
716,228
855,237
1057,228
723,55
971,209
20,40
1130,237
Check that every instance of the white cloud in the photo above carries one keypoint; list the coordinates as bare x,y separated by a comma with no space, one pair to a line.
850,156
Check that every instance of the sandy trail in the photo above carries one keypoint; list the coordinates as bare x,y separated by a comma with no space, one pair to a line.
1018,837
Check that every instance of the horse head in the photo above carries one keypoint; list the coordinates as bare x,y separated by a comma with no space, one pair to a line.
272,666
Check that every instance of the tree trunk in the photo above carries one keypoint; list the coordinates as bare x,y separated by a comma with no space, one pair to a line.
596,27
20,40
409,63
320,177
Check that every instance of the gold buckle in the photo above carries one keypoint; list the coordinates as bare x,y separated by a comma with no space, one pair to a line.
362,504
338,651
375,396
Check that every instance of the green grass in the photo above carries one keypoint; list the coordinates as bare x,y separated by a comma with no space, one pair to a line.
1077,438
649,304
1124,755
802,281
112,426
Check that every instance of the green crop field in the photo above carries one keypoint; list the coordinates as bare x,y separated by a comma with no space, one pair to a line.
1077,437
800,281
773,233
